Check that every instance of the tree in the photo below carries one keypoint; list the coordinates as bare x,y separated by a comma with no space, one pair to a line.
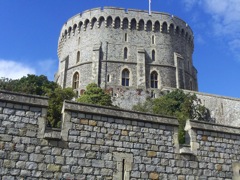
181,105
40,85
55,103
32,84
95,95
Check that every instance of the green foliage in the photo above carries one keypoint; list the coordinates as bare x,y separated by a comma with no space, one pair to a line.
55,102
178,104
95,95
40,85
32,84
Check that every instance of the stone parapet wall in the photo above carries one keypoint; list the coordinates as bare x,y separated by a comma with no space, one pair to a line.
106,143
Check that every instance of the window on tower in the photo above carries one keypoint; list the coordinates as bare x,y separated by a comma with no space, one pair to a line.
154,79
76,80
153,55
125,53
78,57
125,77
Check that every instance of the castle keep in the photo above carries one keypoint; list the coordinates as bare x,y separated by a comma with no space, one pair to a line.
134,56
126,49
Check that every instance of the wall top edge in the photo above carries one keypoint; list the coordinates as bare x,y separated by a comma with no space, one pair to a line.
202,125
8,96
206,94
118,10
118,113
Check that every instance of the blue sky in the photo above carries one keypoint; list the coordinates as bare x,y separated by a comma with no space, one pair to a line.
30,30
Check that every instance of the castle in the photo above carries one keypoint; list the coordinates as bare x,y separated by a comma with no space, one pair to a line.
114,48
104,143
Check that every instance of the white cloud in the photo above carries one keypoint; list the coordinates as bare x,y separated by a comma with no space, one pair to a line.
47,67
13,69
224,22
189,3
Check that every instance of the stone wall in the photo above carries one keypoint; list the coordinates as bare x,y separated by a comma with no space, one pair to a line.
105,143
223,110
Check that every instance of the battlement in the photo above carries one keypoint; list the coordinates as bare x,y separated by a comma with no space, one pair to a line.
94,141
126,19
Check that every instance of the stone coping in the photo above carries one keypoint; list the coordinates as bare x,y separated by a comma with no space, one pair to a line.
118,113
202,125
21,98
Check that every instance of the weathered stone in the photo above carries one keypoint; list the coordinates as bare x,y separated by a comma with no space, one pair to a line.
84,121
154,175
53,167
92,123
31,165
151,154
9,163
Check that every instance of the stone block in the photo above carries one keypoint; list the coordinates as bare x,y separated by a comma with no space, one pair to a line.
31,165
5,137
154,175
53,167
25,173
151,154
59,160
9,163
84,121
92,123
87,170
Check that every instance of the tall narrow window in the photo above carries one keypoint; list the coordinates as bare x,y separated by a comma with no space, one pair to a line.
76,81
108,78
154,79
125,77
78,56
153,39
153,55
125,53
126,37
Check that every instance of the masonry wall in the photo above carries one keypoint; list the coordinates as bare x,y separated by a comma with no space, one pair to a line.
104,143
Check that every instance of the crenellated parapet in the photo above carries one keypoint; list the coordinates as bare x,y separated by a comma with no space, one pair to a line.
124,19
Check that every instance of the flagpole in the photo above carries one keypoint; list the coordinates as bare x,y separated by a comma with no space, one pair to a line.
149,7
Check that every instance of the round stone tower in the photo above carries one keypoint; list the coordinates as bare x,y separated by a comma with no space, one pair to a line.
121,50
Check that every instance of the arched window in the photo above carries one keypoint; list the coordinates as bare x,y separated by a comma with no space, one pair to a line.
171,29
164,27
108,78
80,26
74,29
153,39
177,30
109,21
133,24
149,25
125,23
117,22
154,79
125,77
94,20
153,55
141,25
126,37
86,23
101,22
78,56
125,53
76,81
157,26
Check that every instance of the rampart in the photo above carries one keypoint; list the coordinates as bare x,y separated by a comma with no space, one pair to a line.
105,143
